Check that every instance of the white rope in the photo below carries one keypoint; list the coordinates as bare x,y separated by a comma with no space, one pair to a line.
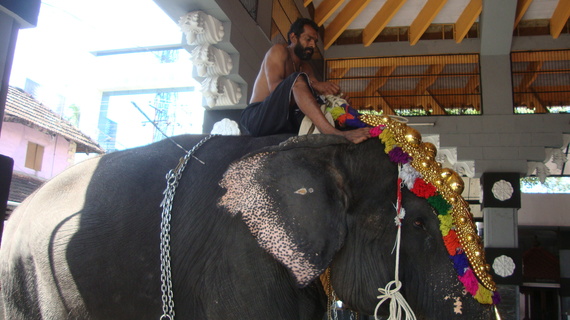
398,304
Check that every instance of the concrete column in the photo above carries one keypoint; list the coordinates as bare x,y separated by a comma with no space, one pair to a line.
500,227
501,201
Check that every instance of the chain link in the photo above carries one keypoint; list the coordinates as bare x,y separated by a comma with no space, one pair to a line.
172,178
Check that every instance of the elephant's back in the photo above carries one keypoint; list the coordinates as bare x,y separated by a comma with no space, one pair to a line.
99,221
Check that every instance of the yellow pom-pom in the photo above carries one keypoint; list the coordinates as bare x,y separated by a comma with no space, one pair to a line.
445,223
388,140
484,295
336,112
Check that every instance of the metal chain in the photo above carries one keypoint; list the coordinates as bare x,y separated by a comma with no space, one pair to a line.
172,178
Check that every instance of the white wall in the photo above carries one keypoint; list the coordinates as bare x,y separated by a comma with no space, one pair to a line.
542,209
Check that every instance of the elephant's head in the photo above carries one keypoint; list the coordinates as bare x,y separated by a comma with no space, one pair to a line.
318,202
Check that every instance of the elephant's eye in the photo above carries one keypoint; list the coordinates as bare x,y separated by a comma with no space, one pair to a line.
419,223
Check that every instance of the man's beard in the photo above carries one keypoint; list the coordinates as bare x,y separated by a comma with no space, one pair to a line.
304,53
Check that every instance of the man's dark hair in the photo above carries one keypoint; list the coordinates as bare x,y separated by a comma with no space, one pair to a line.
299,26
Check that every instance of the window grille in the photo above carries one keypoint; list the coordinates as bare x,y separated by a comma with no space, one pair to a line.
411,85
541,81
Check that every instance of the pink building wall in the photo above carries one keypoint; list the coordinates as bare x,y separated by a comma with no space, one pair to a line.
58,152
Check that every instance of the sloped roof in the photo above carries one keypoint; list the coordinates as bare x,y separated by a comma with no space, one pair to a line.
22,186
22,108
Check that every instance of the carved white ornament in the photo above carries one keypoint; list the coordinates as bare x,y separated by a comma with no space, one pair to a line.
220,91
559,158
504,266
211,61
502,190
542,171
201,28
226,127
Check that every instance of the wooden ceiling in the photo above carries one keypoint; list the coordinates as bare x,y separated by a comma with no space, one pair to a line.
368,19
435,84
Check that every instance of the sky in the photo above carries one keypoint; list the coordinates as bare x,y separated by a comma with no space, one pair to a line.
57,54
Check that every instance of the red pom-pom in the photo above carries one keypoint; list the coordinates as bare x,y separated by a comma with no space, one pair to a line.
452,243
423,189
342,119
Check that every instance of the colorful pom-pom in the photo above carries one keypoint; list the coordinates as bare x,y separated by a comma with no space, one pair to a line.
342,119
451,242
496,297
398,155
409,175
388,140
460,263
439,204
376,131
336,112
423,189
470,282
483,295
445,223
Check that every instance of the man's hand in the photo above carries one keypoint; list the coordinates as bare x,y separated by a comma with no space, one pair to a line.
357,135
325,88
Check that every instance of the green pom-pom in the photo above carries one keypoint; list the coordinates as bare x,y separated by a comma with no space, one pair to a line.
439,204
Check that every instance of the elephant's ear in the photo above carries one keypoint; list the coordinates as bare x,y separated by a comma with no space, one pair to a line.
293,201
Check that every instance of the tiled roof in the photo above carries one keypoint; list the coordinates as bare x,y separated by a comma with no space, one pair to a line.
22,186
23,108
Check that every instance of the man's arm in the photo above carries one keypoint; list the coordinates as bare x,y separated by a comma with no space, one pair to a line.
321,87
275,60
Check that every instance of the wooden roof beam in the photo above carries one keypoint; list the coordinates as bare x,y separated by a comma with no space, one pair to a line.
337,73
467,19
522,6
560,55
429,77
280,19
427,100
380,20
532,101
471,85
559,18
325,10
399,61
531,75
306,3
343,20
375,84
424,19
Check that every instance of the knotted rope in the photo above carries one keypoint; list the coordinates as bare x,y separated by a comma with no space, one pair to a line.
398,304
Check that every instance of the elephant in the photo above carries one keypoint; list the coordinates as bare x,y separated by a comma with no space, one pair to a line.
254,224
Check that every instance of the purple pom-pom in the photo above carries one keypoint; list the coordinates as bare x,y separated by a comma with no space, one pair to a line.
398,155
496,297
352,111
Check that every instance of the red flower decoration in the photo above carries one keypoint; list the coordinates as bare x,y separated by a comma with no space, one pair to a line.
342,119
423,189
451,242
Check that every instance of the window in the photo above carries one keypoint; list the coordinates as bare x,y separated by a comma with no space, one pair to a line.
410,85
34,156
540,81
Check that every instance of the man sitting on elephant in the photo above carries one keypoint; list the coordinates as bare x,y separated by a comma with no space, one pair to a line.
285,73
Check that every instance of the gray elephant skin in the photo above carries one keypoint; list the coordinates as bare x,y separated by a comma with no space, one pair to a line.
252,228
